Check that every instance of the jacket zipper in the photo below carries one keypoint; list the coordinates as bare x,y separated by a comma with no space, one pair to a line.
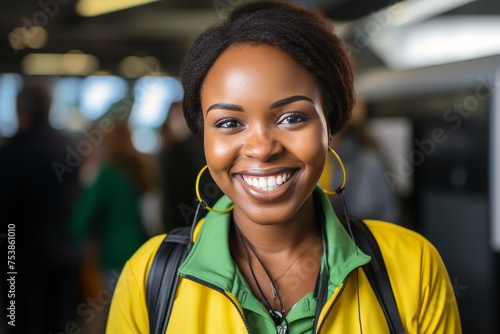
222,291
333,304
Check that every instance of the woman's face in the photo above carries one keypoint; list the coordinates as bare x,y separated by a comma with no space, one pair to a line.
265,133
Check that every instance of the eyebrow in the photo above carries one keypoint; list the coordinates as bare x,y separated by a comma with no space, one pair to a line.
274,105
288,100
226,106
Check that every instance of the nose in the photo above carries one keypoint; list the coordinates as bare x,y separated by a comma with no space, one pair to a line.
262,144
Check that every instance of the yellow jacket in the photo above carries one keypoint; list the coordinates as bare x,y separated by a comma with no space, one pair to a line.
205,300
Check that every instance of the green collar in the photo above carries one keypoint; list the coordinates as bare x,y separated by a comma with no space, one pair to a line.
210,259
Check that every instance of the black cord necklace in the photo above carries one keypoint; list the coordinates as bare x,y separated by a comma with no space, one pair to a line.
278,316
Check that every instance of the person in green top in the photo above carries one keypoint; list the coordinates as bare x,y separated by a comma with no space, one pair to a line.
107,219
108,211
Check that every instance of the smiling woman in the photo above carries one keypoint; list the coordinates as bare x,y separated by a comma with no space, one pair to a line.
266,90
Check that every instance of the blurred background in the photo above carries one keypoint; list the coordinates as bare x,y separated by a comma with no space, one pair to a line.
423,150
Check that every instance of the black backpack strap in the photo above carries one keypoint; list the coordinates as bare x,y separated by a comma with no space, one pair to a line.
376,272
163,278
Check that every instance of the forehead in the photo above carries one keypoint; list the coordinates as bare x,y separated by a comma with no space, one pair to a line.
258,71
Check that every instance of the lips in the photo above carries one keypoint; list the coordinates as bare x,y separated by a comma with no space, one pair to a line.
267,183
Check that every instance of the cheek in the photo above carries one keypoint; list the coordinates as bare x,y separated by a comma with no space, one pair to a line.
313,150
313,145
316,157
219,153
220,156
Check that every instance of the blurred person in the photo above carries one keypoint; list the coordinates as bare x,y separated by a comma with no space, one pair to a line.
107,221
180,159
36,202
365,167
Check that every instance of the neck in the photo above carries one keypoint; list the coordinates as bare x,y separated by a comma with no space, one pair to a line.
281,237
271,257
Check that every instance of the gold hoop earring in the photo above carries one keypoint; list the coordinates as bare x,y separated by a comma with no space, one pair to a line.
198,196
344,176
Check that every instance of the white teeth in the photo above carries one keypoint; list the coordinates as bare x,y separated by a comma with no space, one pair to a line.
271,182
262,183
267,183
255,182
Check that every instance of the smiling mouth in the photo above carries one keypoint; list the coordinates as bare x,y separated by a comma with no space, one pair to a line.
268,183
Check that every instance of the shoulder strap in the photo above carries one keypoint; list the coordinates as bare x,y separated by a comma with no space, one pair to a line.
163,278
376,272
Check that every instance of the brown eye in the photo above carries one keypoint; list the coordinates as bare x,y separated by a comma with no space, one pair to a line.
227,123
292,119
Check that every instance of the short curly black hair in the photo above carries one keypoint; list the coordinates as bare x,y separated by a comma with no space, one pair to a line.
303,33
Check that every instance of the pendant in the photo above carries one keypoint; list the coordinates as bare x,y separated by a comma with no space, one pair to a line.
277,317
281,329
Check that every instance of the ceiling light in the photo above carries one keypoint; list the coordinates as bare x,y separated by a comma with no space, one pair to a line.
136,66
153,97
72,63
438,41
22,37
98,93
399,14
99,7
411,11
10,84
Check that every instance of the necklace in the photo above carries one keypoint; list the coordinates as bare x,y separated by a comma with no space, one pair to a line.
277,316
293,262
